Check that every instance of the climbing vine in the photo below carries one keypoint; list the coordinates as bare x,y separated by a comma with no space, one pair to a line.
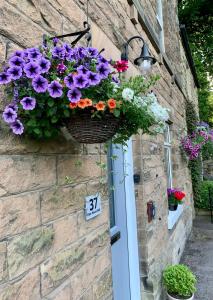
194,165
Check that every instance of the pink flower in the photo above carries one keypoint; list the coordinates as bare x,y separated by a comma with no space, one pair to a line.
121,65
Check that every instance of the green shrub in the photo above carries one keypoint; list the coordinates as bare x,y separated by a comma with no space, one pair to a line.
207,151
204,194
179,281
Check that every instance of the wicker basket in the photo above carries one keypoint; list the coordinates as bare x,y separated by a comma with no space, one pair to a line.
85,129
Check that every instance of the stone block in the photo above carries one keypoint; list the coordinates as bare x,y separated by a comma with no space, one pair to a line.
67,261
56,269
18,213
11,18
26,288
3,261
65,232
2,50
29,249
103,286
63,292
42,13
70,10
60,201
78,168
22,173
88,295
83,279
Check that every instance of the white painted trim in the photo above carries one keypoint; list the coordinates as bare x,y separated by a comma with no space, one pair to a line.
174,216
132,238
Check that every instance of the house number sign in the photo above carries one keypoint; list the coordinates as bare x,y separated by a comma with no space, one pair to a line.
92,206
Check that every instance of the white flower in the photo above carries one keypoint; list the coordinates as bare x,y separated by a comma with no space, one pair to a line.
115,86
159,113
128,94
140,101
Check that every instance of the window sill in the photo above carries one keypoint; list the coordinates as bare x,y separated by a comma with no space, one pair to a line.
173,216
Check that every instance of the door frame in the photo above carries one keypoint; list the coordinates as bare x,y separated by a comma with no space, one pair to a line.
131,222
132,236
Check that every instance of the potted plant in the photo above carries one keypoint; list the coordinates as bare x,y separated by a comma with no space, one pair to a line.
56,85
179,282
175,197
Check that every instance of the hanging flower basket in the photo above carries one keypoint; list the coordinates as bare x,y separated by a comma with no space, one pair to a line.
192,144
85,129
56,84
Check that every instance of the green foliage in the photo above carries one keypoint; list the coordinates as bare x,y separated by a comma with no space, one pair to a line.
194,165
44,121
207,151
197,16
179,280
205,187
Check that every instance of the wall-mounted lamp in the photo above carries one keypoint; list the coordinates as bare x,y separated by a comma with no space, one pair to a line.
144,61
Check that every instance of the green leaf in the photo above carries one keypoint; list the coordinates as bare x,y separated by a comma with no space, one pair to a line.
54,119
116,113
66,113
37,131
50,102
47,133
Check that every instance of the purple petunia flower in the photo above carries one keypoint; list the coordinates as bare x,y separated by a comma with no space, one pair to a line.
80,81
55,89
80,53
15,72
103,70
102,60
170,191
13,106
28,103
58,52
74,95
55,41
32,69
5,78
92,52
9,115
115,79
17,127
68,80
68,52
61,68
19,53
15,94
93,78
83,70
16,61
40,84
34,53
44,65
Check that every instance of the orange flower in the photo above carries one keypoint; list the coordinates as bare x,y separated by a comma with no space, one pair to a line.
81,103
111,103
72,105
88,102
100,105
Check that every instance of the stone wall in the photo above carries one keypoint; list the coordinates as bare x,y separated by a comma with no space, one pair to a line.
47,249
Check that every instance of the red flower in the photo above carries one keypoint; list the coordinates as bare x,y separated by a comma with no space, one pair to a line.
121,65
179,195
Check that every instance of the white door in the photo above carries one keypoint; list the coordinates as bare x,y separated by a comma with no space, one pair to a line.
125,261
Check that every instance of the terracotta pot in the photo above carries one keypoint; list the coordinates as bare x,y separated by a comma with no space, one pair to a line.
173,207
169,297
